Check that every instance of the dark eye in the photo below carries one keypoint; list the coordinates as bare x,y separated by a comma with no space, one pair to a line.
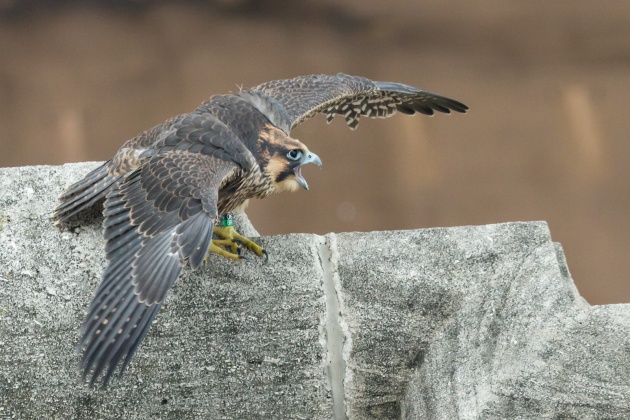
294,154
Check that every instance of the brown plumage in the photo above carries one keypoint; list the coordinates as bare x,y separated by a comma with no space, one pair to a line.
166,189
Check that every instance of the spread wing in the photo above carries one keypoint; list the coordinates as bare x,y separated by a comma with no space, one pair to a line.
158,220
353,97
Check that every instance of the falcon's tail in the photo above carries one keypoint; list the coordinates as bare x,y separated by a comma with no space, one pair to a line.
84,193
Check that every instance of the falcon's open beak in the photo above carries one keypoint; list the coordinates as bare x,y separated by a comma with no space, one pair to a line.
310,157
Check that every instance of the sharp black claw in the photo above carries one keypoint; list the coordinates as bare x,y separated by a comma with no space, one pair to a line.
266,255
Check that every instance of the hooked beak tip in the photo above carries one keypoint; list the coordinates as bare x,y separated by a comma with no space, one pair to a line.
309,158
313,158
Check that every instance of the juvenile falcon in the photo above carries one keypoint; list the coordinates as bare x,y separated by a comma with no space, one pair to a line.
167,189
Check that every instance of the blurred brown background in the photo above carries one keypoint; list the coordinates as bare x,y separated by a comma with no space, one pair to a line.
548,84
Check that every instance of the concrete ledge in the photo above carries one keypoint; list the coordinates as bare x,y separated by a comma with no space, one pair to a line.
467,322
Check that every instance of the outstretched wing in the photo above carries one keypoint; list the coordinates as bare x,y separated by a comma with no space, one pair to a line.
158,220
353,97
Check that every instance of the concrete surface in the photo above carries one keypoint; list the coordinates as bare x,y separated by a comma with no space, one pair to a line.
465,322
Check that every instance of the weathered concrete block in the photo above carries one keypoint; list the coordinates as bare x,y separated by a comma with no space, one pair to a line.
476,322
232,340
467,322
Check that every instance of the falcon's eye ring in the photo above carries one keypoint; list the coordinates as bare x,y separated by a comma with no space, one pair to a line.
294,154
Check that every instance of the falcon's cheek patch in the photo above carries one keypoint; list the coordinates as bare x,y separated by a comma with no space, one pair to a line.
287,182
282,175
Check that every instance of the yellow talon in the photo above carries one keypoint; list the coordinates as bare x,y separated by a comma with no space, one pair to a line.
215,249
226,243
230,238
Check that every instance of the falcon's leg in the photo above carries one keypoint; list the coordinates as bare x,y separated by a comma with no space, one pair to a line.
230,238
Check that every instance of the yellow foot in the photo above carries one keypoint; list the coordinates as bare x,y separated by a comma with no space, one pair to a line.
216,249
233,240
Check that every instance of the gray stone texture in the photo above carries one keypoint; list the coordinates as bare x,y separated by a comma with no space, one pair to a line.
465,322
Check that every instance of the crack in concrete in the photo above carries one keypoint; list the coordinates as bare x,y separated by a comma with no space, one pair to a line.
326,246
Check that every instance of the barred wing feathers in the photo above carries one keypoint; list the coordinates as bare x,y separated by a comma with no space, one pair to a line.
157,221
352,97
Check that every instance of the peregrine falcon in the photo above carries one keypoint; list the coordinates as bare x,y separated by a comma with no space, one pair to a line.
167,189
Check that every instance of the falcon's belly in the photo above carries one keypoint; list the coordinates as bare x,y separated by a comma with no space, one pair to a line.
232,196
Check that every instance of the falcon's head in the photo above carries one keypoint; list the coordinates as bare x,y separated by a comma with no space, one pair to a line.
282,159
